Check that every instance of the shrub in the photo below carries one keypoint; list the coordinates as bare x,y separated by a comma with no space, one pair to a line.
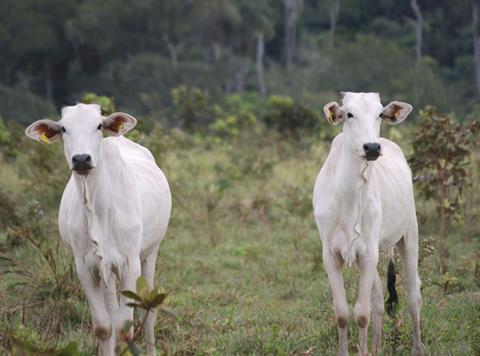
440,161
288,116
106,103
191,107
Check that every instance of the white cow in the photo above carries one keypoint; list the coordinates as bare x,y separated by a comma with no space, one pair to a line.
363,201
113,214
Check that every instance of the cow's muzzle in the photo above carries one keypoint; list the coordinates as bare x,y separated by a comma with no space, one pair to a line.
82,164
372,151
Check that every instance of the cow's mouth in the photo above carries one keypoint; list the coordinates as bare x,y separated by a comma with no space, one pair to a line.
82,171
372,156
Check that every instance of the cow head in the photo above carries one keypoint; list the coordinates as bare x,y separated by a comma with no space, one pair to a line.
362,114
81,128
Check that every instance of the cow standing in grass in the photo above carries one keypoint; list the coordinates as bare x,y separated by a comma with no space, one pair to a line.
113,214
363,201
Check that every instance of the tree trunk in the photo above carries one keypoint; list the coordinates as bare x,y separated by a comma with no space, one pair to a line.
418,29
418,25
217,51
334,10
476,41
259,63
441,238
240,73
293,8
174,49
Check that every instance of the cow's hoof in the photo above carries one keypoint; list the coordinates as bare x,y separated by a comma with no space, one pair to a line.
125,335
103,332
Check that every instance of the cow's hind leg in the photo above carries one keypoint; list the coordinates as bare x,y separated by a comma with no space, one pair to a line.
102,323
408,248
377,313
333,267
148,272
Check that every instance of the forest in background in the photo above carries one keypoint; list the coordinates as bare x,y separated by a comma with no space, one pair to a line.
54,51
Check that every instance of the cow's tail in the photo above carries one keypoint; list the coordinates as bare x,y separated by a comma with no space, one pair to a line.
392,300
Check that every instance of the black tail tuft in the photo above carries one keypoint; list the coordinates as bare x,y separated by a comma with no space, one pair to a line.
392,300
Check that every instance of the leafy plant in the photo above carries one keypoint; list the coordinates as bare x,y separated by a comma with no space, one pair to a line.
231,125
288,116
146,299
192,106
107,104
440,161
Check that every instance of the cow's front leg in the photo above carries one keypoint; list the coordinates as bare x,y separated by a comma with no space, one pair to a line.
102,323
333,267
367,262
128,278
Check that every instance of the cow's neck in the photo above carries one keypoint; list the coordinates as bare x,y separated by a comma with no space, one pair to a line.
96,195
92,185
356,172
352,192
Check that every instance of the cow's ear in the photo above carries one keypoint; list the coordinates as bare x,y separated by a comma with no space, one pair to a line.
396,112
46,131
334,114
119,123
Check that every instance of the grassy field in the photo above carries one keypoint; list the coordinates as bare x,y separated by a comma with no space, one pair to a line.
241,260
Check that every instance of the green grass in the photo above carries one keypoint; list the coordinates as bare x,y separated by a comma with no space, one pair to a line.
242,264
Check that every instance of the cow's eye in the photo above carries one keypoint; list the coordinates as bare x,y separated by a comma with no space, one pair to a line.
63,129
381,115
99,127
349,115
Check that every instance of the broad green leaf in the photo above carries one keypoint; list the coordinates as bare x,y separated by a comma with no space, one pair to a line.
154,293
131,295
158,300
142,287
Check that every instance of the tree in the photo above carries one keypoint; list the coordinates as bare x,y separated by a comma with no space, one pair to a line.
293,10
418,25
334,10
258,20
440,161
476,41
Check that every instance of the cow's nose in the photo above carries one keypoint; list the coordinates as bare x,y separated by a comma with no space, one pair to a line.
372,150
82,164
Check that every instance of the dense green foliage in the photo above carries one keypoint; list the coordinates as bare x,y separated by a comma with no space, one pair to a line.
53,51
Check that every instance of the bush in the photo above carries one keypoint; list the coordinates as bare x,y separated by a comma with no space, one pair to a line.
191,107
440,161
288,116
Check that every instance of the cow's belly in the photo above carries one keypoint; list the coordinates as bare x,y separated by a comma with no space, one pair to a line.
156,206
398,207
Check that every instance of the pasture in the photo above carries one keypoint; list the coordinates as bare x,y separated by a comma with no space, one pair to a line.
241,260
